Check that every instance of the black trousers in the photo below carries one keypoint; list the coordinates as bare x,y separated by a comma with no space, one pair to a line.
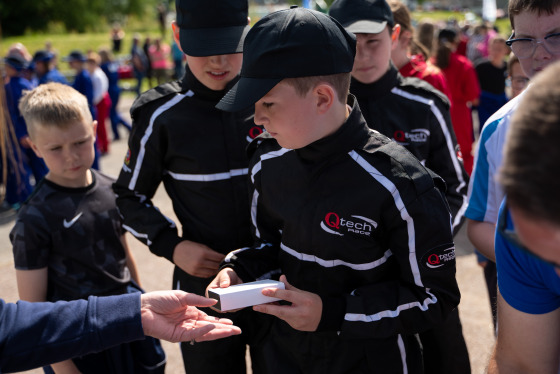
444,348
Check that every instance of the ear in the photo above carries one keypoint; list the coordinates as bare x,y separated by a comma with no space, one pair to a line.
248,20
325,97
395,36
176,36
34,148
94,124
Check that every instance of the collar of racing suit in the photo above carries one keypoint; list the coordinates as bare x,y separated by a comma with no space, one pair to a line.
379,88
191,83
352,134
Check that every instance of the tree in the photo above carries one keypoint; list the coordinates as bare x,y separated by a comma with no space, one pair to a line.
17,16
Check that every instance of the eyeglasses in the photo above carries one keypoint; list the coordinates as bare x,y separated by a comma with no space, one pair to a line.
512,238
525,47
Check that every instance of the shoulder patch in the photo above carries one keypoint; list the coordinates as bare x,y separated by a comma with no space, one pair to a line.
439,258
155,94
423,88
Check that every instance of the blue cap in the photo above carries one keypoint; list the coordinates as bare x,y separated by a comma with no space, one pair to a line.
16,61
75,56
42,55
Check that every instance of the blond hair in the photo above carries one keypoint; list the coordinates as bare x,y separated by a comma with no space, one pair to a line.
340,82
53,105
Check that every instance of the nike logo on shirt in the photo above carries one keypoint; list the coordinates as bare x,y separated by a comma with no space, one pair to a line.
69,224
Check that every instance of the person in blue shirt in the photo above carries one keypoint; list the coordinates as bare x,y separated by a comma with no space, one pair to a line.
527,243
84,85
43,63
36,334
19,186
110,68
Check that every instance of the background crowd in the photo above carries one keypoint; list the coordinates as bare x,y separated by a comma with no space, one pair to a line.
469,71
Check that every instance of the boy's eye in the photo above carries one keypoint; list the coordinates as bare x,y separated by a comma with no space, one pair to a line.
267,105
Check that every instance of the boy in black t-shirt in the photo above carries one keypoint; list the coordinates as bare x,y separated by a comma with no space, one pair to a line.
68,240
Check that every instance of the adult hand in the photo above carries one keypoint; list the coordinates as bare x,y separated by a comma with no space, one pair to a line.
173,316
304,313
225,278
197,259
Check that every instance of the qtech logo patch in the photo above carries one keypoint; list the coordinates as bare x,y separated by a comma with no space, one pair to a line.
336,225
413,136
253,133
440,258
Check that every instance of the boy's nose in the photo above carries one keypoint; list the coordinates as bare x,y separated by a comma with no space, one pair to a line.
218,60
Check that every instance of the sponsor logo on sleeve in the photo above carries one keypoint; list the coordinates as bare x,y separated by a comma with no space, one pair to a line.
412,136
254,132
334,224
439,258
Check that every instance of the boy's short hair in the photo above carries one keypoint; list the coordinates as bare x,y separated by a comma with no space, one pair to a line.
529,172
53,105
291,43
340,83
515,7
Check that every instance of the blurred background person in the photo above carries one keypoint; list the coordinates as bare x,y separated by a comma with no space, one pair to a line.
414,65
101,100
110,68
463,84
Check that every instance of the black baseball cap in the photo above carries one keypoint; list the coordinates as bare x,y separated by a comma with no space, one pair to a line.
289,43
212,27
42,55
16,61
75,56
362,16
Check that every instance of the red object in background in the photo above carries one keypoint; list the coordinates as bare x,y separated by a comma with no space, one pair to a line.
125,71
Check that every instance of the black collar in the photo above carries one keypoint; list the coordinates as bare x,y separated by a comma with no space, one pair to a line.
190,82
352,134
379,88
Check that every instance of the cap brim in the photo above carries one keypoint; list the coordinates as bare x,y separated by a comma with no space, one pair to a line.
211,42
366,27
246,92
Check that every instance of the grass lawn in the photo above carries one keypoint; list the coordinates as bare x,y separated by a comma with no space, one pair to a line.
64,43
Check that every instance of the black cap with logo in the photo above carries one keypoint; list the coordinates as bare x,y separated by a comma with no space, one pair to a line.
290,43
212,27
362,16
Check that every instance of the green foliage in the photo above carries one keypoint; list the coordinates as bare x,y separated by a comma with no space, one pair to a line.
20,16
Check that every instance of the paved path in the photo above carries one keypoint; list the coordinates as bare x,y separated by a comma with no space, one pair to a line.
156,272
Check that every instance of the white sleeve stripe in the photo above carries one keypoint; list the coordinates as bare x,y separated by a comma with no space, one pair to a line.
254,203
148,133
402,350
333,263
230,254
267,156
137,234
437,113
209,177
360,317
402,209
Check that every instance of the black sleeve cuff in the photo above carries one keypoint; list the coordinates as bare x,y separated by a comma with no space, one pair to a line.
334,309
164,244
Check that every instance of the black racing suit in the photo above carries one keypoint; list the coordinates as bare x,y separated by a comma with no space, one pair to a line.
356,219
199,153
416,115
